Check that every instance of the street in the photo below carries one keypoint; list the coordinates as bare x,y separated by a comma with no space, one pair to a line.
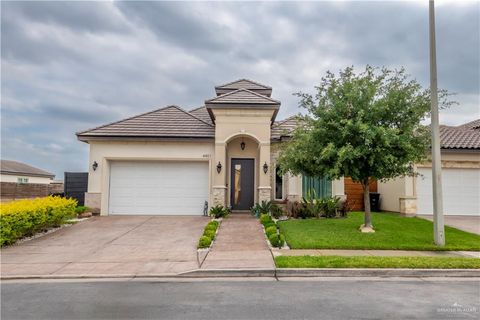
327,298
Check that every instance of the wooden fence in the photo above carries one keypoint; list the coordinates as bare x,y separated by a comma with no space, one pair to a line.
13,191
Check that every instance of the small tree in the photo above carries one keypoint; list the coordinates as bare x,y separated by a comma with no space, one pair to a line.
365,126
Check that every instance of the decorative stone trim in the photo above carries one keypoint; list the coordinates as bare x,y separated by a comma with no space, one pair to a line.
453,164
408,206
264,194
93,200
218,195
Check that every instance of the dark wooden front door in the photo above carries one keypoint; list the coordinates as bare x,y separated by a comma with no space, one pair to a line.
242,184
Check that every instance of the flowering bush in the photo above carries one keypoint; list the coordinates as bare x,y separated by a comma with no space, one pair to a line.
25,217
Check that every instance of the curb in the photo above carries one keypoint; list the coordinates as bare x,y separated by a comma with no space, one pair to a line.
272,273
384,272
228,273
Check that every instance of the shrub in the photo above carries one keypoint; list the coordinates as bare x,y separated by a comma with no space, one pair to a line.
213,223
210,227
219,212
269,224
209,233
271,230
276,211
295,209
204,242
277,240
81,209
261,208
25,217
264,218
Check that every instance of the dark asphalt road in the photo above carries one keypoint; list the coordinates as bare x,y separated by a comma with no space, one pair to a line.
310,299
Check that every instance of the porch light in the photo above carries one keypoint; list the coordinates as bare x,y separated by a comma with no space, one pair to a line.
242,145
265,168
219,167
94,165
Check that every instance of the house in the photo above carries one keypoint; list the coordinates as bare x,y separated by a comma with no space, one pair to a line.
175,162
171,161
22,181
17,172
460,153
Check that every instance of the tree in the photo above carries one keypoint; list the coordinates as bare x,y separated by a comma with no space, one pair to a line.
365,126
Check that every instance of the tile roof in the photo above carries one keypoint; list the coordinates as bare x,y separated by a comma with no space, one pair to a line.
244,84
15,167
168,122
472,125
459,138
284,128
202,114
242,96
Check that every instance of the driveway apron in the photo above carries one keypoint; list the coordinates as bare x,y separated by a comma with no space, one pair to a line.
113,245
240,244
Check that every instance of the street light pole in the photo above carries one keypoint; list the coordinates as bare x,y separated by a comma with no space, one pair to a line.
438,225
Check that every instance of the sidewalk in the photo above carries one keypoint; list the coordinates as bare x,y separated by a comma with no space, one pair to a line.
240,244
378,253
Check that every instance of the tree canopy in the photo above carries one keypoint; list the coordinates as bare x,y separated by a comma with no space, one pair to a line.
364,126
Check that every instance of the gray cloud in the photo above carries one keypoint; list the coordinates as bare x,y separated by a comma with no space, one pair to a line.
69,66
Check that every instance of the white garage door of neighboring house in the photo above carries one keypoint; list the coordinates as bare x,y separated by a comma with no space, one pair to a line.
158,188
461,191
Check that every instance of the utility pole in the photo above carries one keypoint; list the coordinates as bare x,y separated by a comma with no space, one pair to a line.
438,225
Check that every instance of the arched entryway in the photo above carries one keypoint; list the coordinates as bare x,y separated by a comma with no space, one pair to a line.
242,153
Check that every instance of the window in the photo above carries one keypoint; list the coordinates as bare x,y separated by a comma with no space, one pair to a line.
278,184
22,180
321,185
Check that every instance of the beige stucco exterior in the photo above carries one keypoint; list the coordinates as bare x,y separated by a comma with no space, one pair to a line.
399,195
31,179
232,126
104,152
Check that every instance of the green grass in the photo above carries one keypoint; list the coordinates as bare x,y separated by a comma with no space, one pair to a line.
392,231
376,262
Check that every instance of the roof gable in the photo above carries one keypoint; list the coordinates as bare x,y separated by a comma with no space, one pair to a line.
202,114
168,122
15,167
242,96
284,128
244,84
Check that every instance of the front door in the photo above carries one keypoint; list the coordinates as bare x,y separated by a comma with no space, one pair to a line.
242,184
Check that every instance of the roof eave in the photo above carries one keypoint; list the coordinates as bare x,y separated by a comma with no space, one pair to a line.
87,138
18,173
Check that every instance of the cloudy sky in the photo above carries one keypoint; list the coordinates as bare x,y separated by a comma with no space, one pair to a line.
69,66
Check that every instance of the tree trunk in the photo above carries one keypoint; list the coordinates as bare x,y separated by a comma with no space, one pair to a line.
366,202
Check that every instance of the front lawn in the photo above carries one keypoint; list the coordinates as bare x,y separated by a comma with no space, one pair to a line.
376,262
392,231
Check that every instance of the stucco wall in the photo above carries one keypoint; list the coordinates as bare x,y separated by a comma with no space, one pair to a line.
103,152
231,124
14,178
392,190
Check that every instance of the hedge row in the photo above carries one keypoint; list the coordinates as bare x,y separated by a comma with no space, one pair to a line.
276,240
208,234
26,217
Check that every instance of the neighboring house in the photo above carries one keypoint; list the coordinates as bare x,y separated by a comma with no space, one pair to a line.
22,181
171,162
17,172
460,152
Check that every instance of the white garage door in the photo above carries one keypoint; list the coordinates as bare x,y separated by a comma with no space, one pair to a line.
461,191
158,188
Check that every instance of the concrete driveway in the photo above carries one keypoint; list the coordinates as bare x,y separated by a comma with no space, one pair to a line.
114,245
465,223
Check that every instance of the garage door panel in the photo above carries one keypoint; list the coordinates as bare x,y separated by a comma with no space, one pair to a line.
158,188
461,191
